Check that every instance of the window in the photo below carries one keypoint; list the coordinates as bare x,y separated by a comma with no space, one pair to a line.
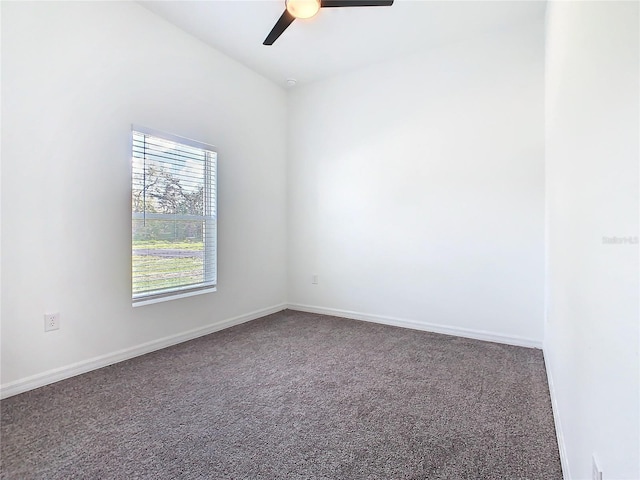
173,217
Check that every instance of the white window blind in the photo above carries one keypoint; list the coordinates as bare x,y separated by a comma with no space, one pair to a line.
173,215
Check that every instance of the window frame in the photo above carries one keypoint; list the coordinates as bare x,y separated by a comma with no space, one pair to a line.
210,215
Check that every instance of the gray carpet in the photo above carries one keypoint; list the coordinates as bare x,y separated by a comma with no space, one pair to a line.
294,395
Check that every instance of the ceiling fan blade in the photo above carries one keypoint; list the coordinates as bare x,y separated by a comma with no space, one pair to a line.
355,3
281,25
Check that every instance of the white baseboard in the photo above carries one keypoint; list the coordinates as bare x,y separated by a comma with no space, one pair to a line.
416,325
57,374
564,460
61,373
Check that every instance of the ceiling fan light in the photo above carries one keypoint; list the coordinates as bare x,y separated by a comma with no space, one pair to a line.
302,8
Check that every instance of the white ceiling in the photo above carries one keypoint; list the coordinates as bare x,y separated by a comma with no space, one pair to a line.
338,39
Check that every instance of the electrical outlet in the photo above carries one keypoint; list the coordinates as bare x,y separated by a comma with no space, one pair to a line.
596,473
314,278
51,321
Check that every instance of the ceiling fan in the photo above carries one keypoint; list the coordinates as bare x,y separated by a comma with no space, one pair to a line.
308,8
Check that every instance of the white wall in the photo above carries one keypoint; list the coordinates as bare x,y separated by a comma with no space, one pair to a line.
75,76
416,189
592,142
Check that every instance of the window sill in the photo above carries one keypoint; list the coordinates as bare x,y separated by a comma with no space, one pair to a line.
149,301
